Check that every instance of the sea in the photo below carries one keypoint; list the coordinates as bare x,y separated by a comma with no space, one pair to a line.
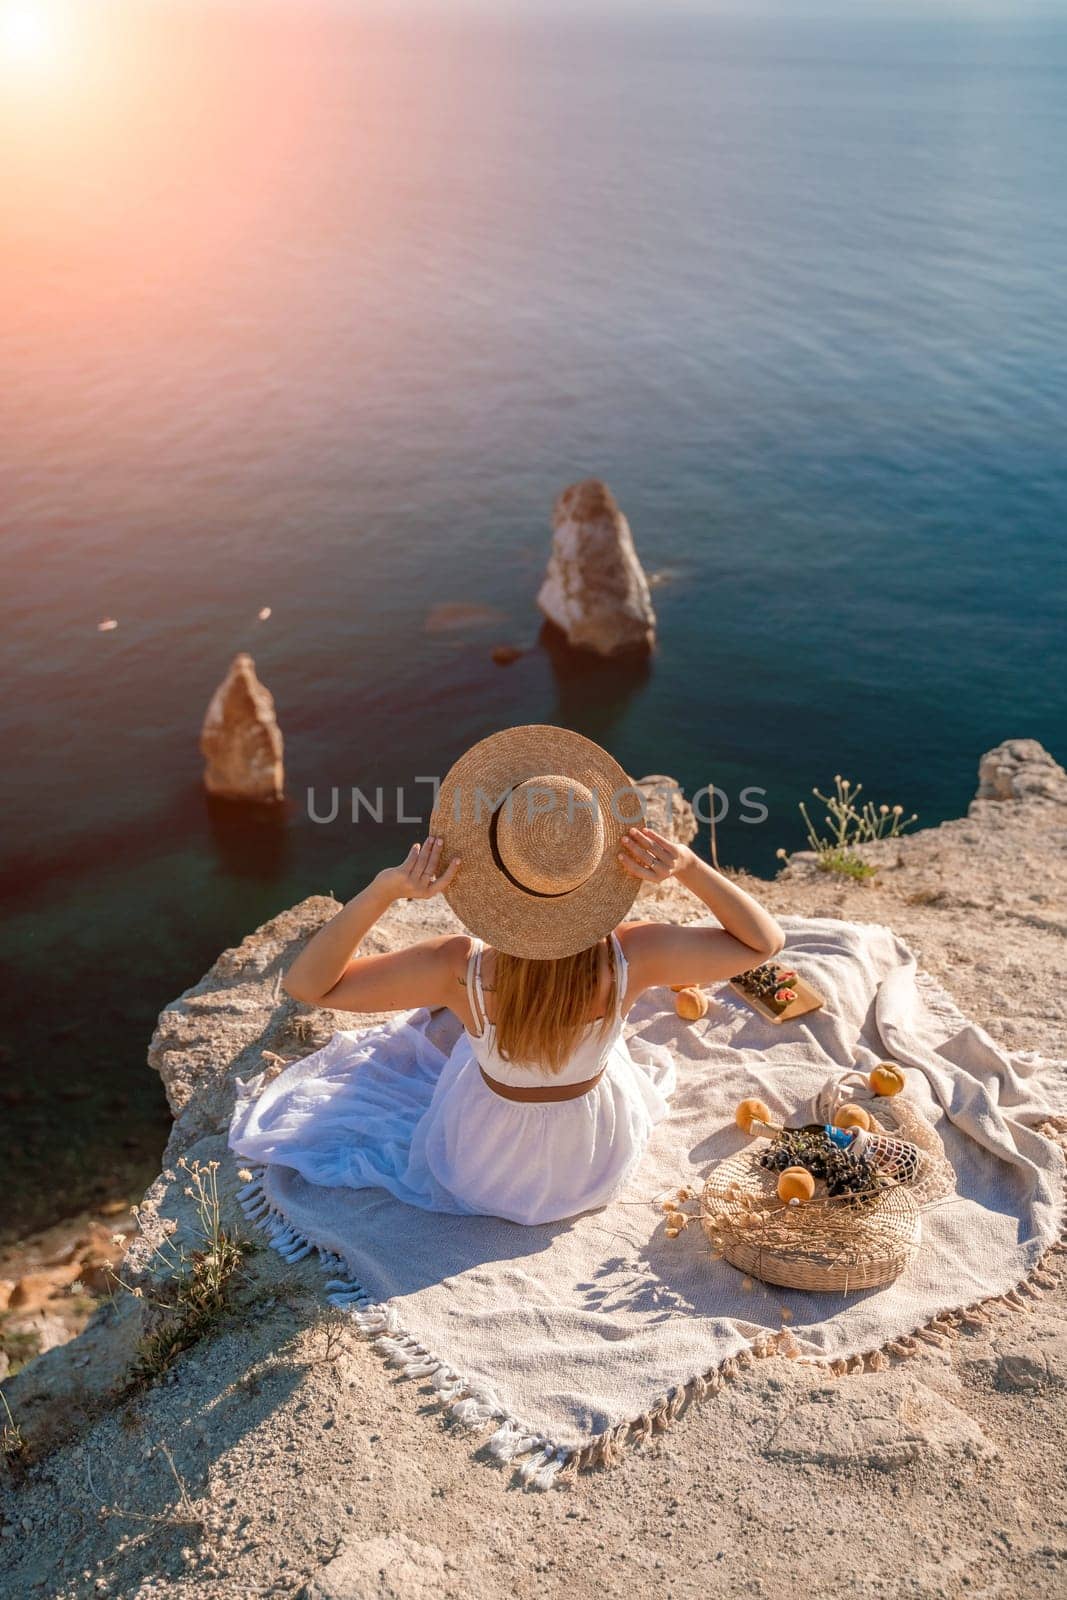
314,308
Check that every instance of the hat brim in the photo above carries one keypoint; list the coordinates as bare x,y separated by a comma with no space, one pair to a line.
488,902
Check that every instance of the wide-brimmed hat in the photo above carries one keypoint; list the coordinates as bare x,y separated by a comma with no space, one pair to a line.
536,815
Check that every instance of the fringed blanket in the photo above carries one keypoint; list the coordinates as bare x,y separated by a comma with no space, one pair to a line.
573,1340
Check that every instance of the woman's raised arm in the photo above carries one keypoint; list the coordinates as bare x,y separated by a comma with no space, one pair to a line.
329,972
660,953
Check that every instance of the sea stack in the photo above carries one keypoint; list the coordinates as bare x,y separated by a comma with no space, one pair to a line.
595,589
240,740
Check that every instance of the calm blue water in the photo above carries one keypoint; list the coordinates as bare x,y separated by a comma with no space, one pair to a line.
307,312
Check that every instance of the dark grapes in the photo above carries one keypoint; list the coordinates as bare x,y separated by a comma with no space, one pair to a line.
811,1148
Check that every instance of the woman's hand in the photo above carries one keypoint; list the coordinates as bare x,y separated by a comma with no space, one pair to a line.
416,877
652,858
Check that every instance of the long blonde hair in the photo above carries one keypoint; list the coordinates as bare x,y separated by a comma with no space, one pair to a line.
541,1006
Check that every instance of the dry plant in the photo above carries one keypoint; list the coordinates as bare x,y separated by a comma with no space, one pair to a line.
194,1291
20,1345
12,1443
850,825
184,1515
334,1327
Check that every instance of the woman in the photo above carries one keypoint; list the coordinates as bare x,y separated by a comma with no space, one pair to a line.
540,1110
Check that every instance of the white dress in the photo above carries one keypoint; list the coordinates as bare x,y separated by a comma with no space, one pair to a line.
388,1108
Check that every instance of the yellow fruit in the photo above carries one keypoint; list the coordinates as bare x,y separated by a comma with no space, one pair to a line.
750,1112
691,1004
852,1117
886,1078
676,988
796,1183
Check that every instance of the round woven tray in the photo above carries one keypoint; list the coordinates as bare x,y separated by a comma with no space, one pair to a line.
823,1245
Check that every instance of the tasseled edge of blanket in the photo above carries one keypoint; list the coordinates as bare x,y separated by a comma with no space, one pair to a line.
539,1462
947,1326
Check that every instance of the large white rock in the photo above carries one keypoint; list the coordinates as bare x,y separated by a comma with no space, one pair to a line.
595,588
240,740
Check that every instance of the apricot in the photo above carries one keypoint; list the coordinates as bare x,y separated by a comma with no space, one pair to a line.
749,1112
691,1004
852,1117
886,1078
796,1183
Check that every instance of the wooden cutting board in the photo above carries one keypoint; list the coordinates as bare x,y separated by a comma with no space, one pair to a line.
808,999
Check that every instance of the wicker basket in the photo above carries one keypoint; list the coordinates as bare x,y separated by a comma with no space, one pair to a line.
828,1244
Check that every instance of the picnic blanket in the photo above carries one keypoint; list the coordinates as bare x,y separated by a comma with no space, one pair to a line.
572,1341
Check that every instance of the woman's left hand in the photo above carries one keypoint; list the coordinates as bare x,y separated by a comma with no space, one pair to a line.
416,877
652,858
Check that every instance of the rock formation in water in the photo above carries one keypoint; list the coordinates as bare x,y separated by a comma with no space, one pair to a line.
595,589
240,740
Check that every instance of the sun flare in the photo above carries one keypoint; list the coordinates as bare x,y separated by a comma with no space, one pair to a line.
29,33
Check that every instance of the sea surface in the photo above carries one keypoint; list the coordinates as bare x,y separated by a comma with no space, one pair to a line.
308,311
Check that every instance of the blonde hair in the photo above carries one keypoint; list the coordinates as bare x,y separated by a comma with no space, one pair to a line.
541,1006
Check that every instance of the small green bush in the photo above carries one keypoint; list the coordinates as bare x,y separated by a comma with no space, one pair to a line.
850,825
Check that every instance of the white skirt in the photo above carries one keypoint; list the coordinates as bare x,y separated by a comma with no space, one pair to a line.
390,1108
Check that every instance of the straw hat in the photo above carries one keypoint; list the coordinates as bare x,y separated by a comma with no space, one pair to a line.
536,815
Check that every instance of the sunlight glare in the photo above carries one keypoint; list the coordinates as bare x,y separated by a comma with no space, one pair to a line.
28,33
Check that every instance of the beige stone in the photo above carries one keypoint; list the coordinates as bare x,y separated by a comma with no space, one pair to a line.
884,1420
381,1569
34,1290
1021,769
240,739
595,589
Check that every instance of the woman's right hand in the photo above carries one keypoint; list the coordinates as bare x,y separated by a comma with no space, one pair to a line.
416,877
647,855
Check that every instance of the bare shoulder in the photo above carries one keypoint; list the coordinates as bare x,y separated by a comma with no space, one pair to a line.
637,937
452,951
442,964
659,953
442,958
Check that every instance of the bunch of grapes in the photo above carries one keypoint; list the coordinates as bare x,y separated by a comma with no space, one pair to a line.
812,1148
770,983
760,981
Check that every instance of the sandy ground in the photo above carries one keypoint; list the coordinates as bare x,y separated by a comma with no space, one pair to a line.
281,1457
